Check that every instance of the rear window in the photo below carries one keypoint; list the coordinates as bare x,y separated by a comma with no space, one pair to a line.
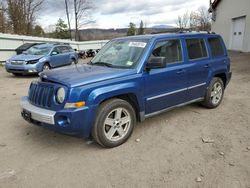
216,47
196,48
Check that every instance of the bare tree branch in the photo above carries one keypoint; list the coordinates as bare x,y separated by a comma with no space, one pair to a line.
82,13
22,14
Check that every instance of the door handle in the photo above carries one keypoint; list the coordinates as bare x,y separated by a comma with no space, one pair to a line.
180,71
207,65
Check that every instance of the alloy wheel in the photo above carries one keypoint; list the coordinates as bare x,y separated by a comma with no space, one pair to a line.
216,93
116,124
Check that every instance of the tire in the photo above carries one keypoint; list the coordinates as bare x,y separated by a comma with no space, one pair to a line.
73,62
111,131
214,93
46,67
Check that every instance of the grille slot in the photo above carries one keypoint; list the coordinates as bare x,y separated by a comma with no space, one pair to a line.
41,95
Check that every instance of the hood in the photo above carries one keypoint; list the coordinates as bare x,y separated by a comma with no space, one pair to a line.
25,57
78,75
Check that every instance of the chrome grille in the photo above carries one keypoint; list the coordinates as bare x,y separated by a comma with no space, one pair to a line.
41,95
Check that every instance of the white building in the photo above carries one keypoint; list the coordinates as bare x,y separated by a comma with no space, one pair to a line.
231,19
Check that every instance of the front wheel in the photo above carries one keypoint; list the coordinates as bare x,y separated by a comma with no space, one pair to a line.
214,93
46,67
114,123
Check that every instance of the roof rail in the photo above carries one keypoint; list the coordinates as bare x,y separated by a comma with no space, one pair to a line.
192,31
59,43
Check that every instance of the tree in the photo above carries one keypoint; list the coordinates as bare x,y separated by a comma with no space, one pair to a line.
141,29
182,21
38,31
204,19
22,14
3,21
61,31
196,20
82,15
131,29
67,14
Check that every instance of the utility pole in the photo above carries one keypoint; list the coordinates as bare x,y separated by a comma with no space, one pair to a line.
67,13
76,22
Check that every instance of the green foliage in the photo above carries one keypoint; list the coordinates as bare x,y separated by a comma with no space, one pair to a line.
61,31
141,29
131,29
38,31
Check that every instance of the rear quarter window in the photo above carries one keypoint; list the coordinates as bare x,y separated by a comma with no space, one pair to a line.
196,48
216,47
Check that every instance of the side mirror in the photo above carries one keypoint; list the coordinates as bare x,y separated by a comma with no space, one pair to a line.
54,53
156,62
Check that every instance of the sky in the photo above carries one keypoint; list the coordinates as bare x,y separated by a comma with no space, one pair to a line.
118,13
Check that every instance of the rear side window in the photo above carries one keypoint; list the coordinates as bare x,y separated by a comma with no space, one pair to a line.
171,49
216,47
196,48
64,49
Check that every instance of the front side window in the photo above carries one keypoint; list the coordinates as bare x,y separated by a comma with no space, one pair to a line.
196,49
216,46
57,50
170,49
121,53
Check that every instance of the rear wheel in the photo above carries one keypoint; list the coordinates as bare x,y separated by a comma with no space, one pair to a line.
114,123
214,93
73,62
46,67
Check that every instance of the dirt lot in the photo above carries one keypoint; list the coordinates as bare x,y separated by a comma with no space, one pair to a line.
170,153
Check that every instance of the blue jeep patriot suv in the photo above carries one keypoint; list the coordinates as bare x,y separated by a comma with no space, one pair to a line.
41,57
130,79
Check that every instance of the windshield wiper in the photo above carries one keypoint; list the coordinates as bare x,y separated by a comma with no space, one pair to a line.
102,64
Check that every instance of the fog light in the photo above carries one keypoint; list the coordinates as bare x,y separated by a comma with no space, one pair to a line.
32,70
63,121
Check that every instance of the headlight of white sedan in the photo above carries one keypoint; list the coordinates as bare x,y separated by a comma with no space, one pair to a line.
60,95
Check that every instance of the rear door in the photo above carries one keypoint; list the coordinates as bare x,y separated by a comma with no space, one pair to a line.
199,67
66,53
166,87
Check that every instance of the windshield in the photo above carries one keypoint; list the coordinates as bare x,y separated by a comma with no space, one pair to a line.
38,51
123,53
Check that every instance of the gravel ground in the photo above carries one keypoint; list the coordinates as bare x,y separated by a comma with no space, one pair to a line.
164,151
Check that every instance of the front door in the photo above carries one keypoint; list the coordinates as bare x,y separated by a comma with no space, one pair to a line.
166,87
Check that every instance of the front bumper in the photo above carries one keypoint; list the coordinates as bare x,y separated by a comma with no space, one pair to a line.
36,113
22,69
68,121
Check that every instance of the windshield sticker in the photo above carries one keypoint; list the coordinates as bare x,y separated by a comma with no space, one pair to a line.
129,63
138,44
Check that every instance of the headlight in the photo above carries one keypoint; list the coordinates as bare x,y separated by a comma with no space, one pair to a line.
32,62
7,61
42,59
60,95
